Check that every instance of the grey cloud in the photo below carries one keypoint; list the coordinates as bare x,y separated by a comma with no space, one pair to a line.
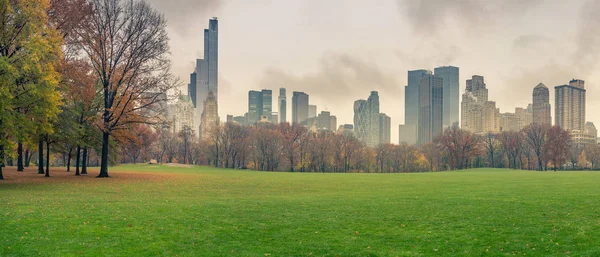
432,16
182,15
340,77
588,38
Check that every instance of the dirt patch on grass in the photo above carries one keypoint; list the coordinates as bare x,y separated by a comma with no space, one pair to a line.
60,175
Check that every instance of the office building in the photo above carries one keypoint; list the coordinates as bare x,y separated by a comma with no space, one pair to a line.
479,115
205,77
569,105
430,109
299,107
312,111
542,113
366,119
282,104
411,96
210,116
451,88
385,128
407,134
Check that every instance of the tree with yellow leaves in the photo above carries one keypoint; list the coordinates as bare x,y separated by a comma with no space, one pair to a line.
29,53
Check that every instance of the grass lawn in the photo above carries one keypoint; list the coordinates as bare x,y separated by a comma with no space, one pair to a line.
159,210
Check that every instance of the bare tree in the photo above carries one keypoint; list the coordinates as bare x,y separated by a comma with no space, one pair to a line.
511,143
490,142
535,135
461,146
557,146
127,45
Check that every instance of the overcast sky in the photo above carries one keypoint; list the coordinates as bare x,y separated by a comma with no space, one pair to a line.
338,51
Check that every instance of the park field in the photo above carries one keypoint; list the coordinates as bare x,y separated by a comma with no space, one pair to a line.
178,211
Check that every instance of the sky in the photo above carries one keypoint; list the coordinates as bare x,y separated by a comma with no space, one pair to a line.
338,51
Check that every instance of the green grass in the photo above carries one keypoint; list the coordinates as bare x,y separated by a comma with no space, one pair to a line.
213,212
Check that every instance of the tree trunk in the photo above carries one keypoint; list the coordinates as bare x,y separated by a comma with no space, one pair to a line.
84,163
69,159
27,158
77,161
41,156
47,159
20,156
1,161
104,162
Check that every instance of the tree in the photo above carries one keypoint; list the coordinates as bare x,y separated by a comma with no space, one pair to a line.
126,44
187,135
511,143
29,52
592,154
490,142
557,146
535,135
582,160
461,146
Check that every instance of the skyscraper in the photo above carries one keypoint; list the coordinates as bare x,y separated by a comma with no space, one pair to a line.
282,105
569,105
299,107
192,89
210,116
479,115
431,97
541,105
361,119
407,134
260,104
450,76
411,96
326,121
312,111
366,119
267,104
207,71
385,128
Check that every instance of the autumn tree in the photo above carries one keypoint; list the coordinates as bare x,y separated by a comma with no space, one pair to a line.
592,153
461,146
29,53
557,146
126,44
187,136
511,143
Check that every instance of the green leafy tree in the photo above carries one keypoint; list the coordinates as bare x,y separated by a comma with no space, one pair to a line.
29,53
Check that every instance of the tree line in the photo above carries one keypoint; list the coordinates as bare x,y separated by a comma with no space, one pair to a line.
293,147
77,76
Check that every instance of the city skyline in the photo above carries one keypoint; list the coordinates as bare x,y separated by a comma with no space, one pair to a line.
513,59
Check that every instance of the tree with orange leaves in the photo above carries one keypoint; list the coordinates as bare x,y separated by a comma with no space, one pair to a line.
126,44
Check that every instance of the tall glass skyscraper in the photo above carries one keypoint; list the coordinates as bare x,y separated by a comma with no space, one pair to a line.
206,75
299,107
411,96
267,104
430,108
254,106
282,105
450,77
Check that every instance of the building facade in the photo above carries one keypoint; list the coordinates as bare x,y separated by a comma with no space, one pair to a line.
254,106
210,116
450,79
282,104
411,96
479,115
407,134
431,105
312,111
569,105
204,79
182,114
299,107
542,111
385,128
